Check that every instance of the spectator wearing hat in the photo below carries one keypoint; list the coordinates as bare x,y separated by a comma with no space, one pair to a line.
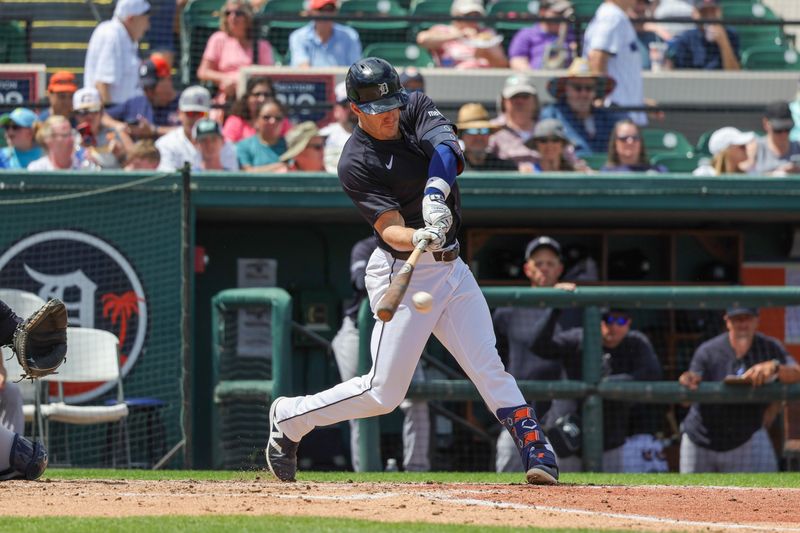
61,151
143,156
304,149
324,43
105,146
242,121
546,44
112,57
733,437
551,142
464,43
628,355
264,148
707,46
207,137
21,149
59,93
412,80
519,107
231,48
728,147
474,128
177,146
587,126
337,132
138,115
612,48
626,151
674,9
773,153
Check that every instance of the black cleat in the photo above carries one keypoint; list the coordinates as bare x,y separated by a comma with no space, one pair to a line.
542,467
281,452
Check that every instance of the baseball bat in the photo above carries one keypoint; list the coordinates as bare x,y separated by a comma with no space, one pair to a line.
397,288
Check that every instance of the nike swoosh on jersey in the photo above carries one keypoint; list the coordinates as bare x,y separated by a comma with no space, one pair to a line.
390,163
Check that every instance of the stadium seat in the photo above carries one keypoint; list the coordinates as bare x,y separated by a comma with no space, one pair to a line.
675,162
767,57
428,8
278,31
200,20
585,8
12,43
368,24
595,161
658,141
747,10
401,54
702,143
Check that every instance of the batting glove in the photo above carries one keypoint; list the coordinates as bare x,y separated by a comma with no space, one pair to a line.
433,234
435,212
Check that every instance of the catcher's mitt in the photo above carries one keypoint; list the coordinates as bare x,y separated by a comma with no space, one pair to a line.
41,341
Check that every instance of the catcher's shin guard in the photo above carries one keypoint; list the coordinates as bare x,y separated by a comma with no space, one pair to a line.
537,455
28,459
281,451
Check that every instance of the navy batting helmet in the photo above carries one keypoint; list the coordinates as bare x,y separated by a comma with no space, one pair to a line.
374,86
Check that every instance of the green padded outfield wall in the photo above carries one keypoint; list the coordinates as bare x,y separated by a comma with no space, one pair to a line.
111,250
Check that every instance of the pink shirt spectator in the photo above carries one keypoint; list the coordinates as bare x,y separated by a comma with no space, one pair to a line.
458,53
226,54
237,129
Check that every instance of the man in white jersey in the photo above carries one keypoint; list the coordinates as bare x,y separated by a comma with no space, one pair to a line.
612,48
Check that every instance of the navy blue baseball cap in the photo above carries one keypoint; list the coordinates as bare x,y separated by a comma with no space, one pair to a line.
738,310
542,242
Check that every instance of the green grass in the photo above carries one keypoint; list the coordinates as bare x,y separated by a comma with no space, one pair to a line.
781,479
241,524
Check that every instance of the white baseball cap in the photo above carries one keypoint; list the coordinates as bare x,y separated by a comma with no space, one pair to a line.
340,93
195,98
518,84
131,8
465,7
87,98
724,137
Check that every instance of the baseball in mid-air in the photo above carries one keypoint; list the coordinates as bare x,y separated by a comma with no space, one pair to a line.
423,301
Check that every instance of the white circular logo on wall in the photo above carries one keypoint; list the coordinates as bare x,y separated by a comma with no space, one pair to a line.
96,282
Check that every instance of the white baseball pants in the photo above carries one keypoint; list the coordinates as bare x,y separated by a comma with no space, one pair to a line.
459,318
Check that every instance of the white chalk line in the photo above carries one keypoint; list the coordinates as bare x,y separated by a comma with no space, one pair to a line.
622,516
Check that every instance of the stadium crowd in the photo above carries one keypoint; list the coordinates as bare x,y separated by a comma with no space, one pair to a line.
128,114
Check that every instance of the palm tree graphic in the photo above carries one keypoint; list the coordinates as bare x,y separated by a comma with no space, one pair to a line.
120,308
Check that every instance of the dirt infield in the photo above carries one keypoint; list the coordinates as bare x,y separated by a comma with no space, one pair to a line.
650,508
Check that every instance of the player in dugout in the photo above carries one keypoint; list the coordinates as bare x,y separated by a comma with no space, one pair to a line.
399,168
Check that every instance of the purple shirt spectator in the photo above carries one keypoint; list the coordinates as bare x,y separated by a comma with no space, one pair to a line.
534,42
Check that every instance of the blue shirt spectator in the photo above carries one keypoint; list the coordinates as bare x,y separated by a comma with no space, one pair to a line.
708,46
253,152
584,143
323,43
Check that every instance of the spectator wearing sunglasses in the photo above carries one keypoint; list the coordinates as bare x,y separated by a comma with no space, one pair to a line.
628,355
550,140
177,146
21,149
324,43
242,122
626,151
474,128
304,150
516,329
266,146
231,48
587,126
105,146
773,153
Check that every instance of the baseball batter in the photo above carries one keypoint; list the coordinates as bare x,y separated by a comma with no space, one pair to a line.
19,457
399,169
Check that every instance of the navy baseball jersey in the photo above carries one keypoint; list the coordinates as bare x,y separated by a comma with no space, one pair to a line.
723,427
381,176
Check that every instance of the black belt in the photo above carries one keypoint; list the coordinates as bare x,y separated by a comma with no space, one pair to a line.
442,255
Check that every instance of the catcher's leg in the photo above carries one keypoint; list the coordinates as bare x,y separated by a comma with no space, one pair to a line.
19,457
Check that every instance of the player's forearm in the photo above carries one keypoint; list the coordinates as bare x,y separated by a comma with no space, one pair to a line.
393,231
598,61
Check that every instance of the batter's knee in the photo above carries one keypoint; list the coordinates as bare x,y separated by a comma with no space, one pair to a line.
386,401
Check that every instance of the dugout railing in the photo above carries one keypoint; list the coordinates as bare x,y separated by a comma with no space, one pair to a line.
592,389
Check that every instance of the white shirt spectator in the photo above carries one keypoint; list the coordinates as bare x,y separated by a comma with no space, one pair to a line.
79,162
113,58
612,32
176,148
335,137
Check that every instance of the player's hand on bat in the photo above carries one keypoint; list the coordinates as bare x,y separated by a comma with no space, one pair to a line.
433,234
435,212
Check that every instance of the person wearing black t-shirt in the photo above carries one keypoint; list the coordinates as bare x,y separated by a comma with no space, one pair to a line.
733,437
